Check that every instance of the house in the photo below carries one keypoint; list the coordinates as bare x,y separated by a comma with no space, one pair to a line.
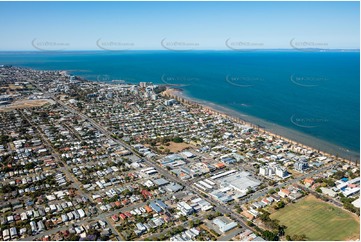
81,213
22,231
328,191
33,227
13,233
309,182
115,218
187,154
64,218
276,197
295,196
220,165
270,199
284,193
174,187
70,215
315,186
41,226
10,219
23,216
155,207
351,191
185,208
52,208
146,194
148,209
265,201
253,212
356,203
76,214
6,234
258,205
161,204
160,182
141,227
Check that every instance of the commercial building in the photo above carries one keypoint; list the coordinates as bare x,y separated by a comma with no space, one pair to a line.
185,208
273,169
223,224
301,165
240,181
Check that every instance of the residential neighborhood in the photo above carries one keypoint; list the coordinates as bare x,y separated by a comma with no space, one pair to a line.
84,160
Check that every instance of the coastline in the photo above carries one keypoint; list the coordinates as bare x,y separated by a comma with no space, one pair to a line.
287,134
339,105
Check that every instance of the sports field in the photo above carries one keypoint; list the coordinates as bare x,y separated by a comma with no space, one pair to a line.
318,220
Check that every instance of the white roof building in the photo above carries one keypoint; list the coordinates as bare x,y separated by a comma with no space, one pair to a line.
224,225
356,203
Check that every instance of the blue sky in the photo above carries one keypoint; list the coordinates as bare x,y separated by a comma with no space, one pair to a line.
187,25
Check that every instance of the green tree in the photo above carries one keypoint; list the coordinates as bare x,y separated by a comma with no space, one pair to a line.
301,237
280,204
271,191
268,235
74,237
177,139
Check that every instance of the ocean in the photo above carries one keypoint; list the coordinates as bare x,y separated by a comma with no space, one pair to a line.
311,97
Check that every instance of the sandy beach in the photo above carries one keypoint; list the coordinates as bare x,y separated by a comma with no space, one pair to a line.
287,134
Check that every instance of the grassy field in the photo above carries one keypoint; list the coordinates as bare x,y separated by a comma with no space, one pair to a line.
318,220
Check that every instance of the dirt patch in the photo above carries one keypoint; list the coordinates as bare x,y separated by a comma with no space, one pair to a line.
25,104
176,147
353,238
14,87
311,198
247,215
63,97
172,146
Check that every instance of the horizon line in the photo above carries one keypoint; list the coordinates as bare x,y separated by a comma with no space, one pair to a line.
187,50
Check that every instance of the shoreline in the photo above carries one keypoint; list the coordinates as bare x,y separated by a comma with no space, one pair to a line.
287,134
290,135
